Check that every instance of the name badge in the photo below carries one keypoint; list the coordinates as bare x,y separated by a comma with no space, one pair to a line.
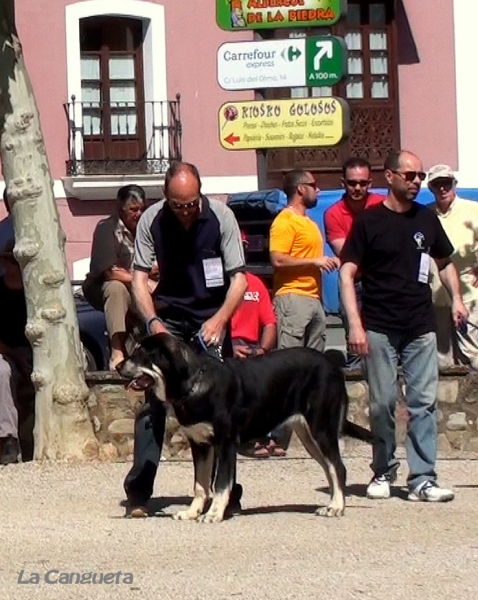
213,273
424,270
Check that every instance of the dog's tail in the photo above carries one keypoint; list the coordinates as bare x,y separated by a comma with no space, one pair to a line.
357,432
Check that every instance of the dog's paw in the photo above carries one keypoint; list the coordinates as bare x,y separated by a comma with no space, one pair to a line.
136,512
186,515
330,511
211,518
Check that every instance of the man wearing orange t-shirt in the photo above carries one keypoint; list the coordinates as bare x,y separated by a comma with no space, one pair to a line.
297,255
338,219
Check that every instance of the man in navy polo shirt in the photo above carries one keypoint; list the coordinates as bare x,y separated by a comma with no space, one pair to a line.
197,244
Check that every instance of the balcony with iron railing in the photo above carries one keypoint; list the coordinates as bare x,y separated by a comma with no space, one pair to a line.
108,141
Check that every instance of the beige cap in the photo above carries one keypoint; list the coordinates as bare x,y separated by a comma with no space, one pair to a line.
441,172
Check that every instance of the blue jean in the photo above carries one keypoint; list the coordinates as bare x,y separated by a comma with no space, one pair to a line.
420,372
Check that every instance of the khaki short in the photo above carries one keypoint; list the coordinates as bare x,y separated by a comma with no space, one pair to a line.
300,321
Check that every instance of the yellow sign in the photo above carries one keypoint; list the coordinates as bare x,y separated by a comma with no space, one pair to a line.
283,123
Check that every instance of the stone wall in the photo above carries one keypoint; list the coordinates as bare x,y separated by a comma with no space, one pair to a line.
112,410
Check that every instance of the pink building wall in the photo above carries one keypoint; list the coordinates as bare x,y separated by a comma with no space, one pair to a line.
428,118
41,28
192,38
426,87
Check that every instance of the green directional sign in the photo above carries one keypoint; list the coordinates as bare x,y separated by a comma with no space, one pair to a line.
303,62
326,60
233,15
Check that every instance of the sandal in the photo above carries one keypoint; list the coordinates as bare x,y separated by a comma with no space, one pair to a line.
275,450
260,451
257,450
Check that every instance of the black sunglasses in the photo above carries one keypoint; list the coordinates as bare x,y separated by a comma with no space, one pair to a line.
356,182
311,184
184,206
443,182
410,175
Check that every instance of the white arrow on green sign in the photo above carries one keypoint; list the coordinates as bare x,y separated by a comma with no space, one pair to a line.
313,62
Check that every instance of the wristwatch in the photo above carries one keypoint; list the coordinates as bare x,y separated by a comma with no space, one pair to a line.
149,323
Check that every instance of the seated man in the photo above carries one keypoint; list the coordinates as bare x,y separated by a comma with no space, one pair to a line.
15,353
107,285
253,333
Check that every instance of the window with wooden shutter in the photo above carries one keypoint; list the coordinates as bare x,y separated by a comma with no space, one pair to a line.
371,91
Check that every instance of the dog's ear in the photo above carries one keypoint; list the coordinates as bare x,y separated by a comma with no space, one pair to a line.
167,348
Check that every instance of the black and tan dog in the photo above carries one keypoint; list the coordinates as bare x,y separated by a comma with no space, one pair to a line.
220,405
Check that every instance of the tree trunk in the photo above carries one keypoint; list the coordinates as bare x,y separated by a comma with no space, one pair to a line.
62,425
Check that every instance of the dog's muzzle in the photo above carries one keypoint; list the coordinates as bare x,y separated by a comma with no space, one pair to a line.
140,383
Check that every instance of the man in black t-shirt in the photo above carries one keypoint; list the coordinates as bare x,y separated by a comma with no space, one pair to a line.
15,352
392,245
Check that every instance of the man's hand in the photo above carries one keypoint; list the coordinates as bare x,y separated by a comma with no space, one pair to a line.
459,312
358,343
328,263
154,273
213,330
242,351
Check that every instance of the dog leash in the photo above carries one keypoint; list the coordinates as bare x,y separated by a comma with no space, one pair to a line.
474,325
214,351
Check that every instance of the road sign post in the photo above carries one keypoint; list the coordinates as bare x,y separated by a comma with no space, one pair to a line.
283,123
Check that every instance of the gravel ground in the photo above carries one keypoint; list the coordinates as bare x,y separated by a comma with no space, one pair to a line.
69,518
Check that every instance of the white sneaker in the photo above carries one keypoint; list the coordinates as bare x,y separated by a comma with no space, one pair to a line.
430,491
379,488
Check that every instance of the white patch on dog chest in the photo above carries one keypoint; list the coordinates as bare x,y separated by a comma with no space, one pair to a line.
201,433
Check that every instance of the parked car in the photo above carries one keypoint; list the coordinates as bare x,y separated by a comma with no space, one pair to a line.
93,336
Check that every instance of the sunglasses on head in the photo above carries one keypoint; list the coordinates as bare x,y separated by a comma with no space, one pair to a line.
410,175
184,206
356,182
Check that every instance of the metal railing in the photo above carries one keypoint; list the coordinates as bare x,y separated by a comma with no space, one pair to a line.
120,138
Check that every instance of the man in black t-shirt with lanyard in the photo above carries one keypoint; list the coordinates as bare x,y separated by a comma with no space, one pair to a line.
392,245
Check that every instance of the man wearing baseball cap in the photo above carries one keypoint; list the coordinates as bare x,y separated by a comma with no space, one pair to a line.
459,218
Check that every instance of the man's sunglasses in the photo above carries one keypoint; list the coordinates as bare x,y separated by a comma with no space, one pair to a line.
442,183
311,184
184,206
355,182
410,175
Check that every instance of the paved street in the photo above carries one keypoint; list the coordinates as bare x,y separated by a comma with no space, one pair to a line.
68,518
